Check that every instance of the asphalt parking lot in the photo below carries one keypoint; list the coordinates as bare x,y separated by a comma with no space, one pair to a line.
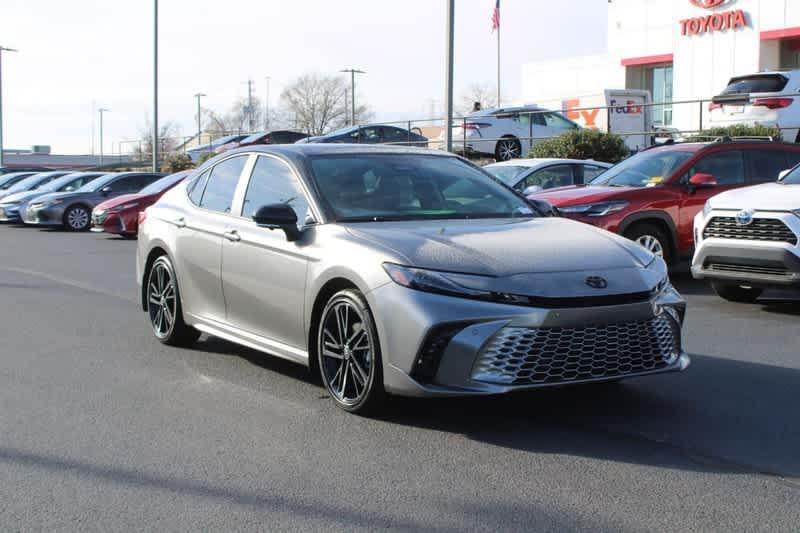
102,427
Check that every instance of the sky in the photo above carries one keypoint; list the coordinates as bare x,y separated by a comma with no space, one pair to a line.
76,56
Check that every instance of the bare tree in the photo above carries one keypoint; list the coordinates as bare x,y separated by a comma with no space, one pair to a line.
236,119
482,93
318,103
167,135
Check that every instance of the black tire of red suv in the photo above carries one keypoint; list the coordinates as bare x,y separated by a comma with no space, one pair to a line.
651,237
736,293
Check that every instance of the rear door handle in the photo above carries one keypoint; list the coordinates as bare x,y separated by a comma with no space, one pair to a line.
232,235
180,222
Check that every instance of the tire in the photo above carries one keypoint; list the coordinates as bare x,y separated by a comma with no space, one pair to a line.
348,354
77,218
736,293
652,238
507,148
164,309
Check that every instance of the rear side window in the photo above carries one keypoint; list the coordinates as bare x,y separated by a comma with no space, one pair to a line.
197,186
218,195
769,83
726,167
765,165
554,120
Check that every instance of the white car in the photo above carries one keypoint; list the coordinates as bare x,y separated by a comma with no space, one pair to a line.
529,176
767,98
746,240
506,133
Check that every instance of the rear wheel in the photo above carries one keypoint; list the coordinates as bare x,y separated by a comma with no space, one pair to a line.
349,354
652,238
507,148
164,306
77,218
736,293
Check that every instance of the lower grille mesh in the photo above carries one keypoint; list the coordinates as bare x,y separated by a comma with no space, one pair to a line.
529,356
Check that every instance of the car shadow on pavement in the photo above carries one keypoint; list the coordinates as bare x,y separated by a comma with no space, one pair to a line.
720,415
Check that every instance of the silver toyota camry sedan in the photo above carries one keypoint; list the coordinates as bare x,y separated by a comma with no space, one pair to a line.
400,271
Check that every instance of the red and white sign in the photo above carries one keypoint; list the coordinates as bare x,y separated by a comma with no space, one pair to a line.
715,22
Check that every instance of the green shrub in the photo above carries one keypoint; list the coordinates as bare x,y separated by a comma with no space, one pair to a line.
583,144
737,130
176,163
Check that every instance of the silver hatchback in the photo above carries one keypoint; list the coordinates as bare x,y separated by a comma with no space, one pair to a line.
402,271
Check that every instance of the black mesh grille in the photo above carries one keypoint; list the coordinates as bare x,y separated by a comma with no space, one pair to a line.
761,229
529,356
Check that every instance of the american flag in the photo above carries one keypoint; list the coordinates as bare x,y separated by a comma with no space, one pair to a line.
496,17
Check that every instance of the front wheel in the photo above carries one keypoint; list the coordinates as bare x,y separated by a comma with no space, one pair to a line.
652,238
349,354
164,306
507,149
736,293
77,218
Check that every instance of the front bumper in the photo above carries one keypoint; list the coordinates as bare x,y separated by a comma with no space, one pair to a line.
436,345
109,222
9,213
743,260
44,216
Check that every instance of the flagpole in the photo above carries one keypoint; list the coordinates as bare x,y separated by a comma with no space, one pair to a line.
498,65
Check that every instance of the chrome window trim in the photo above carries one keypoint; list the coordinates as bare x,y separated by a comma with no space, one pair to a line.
211,169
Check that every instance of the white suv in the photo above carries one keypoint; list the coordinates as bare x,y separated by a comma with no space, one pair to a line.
506,133
767,98
746,240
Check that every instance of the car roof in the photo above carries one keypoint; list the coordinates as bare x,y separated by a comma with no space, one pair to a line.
540,161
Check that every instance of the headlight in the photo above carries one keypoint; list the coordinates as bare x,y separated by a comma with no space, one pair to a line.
434,281
10,204
123,207
706,208
50,203
599,209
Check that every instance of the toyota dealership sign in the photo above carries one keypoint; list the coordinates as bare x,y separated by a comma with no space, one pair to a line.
716,21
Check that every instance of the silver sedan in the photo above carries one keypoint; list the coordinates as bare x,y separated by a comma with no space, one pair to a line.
400,271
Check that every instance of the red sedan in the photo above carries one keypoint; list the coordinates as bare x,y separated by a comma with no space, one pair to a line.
120,215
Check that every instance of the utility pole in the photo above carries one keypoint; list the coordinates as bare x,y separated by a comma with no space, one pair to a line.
199,123
448,84
346,112
266,107
101,111
155,86
2,49
250,116
353,73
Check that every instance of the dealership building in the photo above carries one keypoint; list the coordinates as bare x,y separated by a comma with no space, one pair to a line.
678,50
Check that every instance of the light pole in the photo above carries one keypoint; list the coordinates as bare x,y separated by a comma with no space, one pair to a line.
448,84
353,73
199,126
101,111
2,49
266,116
155,86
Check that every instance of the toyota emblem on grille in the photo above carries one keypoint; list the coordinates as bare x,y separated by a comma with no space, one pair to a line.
744,217
596,282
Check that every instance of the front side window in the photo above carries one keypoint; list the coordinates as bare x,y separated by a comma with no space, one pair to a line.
218,195
549,178
766,165
590,172
273,182
726,167
367,187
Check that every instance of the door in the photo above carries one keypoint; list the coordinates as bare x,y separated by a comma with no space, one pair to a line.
263,274
199,238
123,185
728,168
765,165
548,178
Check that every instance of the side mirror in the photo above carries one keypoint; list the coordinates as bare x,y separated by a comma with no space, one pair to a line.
545,208
533,189
702,181
278,216
105,191
784,173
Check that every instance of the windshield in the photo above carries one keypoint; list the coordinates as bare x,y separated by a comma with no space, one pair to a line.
164,183
8,180
508,174
28,183
252,138
341,131
645,169
377,187
793,177
58,183
99,183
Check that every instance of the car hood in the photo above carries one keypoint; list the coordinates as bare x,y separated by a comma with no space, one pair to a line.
576,195
765,197
124,199
19,197
541,256
62,196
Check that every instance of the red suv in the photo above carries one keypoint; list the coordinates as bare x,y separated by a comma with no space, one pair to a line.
653,196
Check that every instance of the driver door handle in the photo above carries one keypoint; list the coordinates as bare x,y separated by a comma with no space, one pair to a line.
180,222
232,235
